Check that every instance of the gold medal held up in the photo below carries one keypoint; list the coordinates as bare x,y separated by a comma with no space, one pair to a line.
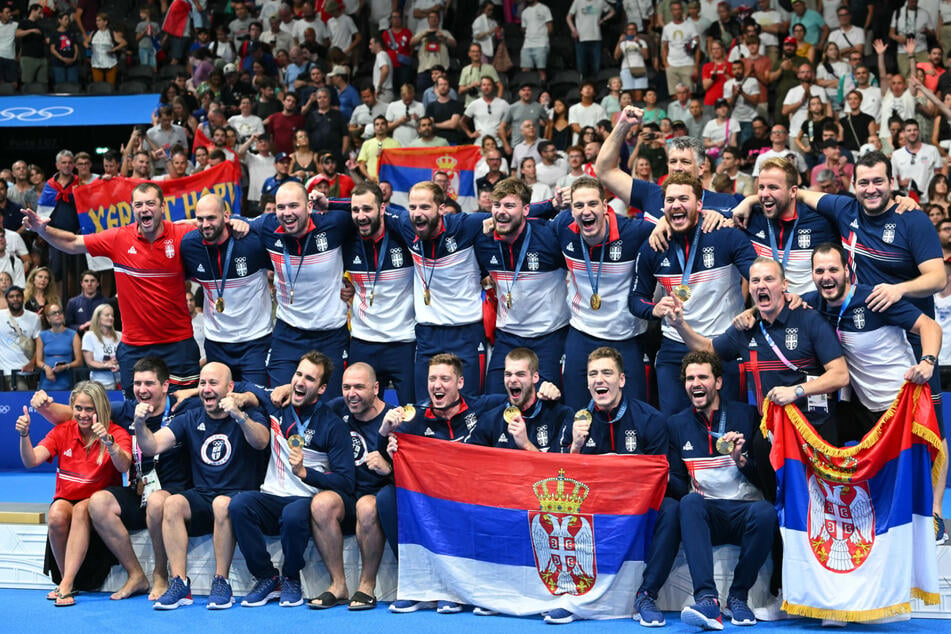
682,292
296,441
409,412
511,413
220,304
595,301
725,446
583,415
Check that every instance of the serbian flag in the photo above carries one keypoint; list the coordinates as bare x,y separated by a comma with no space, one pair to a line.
524,532
201,140
177,18
857,529
403,168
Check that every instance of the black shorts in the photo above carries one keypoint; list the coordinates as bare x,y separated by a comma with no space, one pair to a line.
202,521
131,511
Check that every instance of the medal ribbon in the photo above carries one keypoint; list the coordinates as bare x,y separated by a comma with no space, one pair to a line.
517,266
301,427
288,279
842,309
379,258
776,350
592,280
432,269
721,428
620,413
692,255
222,266
789,241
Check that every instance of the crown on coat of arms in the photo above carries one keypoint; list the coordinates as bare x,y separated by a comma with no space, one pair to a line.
446,163
553,494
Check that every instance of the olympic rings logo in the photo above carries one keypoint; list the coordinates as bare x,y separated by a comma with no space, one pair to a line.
32,115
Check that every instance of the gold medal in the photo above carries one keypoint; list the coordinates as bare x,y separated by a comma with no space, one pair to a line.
511,413
296,441
682,292
725,446
370,298
220,304
426,296
508,300
292,296
583,415
139,486
409,412
595,302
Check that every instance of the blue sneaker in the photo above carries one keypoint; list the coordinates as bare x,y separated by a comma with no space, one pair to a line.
179,593
740,613
705,613
448,607
221,597
263,591
646,612
405,606
291,594
559,616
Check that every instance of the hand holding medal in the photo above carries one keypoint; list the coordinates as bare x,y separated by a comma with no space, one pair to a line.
580,430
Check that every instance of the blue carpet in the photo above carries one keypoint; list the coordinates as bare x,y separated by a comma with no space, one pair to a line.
28,611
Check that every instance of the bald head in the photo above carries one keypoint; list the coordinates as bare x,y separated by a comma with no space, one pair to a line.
212,215
360,389
214,384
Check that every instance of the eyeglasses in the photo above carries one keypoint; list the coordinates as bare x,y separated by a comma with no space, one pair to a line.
54,312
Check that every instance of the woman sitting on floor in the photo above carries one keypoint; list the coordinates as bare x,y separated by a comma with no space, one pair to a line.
82,445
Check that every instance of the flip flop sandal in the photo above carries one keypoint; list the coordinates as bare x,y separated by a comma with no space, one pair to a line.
327,600
361,601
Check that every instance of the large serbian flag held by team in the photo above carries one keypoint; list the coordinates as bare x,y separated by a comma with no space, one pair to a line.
857,529
105,204
524,532
403,168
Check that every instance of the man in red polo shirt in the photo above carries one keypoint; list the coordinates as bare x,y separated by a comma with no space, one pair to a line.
150,281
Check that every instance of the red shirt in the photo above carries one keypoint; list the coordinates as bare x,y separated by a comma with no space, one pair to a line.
282,128
719,73
396,42
81,472
150,280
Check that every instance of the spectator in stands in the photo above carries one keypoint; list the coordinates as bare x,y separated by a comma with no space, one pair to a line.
274,37
485,29
283,125
245,123
803,47
528,146
8,53
721,131
340,184
32,44
897,100
303,158
485,114
327,127
344,34
282,167
653,113
725,28
347,95
361,120
38,293
540,191
828,73
105,43
558,129
911,24
633,52
9,210
382,71
740,182
10,264
584,19
938,193
396,41
57,351
470,79
679,107
446,113
918,163
586,112
796,102
146,35
743,94
814,25
404,116
368,161
79,309
81,445
18,343
551,167
714,74
433,43
64,44
850,39
22,192
696,118
779,146
680,50
536,29
37,178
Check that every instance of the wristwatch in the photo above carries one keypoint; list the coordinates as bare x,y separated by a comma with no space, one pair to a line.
800,391
930,358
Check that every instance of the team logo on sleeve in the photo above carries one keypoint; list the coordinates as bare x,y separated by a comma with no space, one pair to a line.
562,537
169,249
216,450
792,338
321,241
804,238
888,235
858,318
396,257
708,257
359,448
241,266
614,251
531,261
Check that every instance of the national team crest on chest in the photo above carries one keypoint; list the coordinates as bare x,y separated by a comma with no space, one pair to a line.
471,419
541,436
169,249
359,448
241,266
531,260
396,257
708,257
792,338
614,251
858,318
451,245
562,537
321,241
888,234
804,238
630,441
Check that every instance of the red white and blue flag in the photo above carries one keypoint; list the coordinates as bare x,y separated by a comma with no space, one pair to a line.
858,534
524,532
404,167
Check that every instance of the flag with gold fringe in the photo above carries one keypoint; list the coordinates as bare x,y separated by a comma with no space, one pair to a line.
857,525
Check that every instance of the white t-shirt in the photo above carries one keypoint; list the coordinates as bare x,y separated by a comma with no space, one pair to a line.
631,53
926,160
768,18
405,133
8,40
486,117
246,127
838,70
717,132
586,14
796,157
871,101
585,116
383,60
854,37
549,174
480,25
795,95
677,36
11,355
534,22
320,29
102,351
260,168
342,30
742,109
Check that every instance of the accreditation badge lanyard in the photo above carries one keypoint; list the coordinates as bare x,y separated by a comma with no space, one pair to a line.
789,240
620,414
223,267
594,280
289,280
380,255
517,265
776,350
690,256
135,445
842,309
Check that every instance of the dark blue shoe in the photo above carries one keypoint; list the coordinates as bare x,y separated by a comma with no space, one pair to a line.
740,612
559,616
291,593
264,590
221,597
705,613
179,593
646,612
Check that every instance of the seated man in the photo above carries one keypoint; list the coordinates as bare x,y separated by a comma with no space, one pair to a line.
310,470
225,446
117,510
614,424
710,469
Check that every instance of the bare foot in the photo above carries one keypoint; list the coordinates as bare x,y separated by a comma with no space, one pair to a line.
159,587
133,586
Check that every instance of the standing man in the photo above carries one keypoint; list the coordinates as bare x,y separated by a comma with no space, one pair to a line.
584,19
536,27
680,49
226,447
714,478
310,468
403,116
19,333
233,273
525,109
79,309
915,164
150,281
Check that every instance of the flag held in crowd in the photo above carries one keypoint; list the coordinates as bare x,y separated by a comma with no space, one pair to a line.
853,517
403,168
524,536
104,204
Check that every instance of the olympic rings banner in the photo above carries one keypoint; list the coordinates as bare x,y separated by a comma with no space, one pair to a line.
75,111
105,205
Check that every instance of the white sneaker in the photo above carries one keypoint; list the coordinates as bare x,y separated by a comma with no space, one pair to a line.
772,611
